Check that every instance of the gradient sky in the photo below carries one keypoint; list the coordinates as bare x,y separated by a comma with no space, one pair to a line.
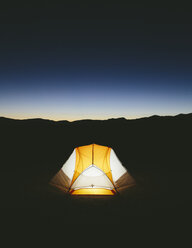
74,61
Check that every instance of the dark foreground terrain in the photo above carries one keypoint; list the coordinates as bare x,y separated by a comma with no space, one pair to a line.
155,150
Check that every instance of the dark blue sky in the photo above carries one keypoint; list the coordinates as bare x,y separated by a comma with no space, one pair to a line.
75,61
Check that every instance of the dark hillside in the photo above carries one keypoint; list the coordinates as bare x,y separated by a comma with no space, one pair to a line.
155,150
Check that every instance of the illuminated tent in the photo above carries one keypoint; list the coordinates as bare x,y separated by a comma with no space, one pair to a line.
92,169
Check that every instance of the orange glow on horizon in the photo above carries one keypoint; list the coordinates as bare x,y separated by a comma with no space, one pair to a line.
64,118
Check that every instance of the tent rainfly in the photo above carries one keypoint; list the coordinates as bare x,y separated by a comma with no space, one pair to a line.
92,170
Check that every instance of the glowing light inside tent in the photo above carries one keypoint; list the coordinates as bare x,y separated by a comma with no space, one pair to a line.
93,191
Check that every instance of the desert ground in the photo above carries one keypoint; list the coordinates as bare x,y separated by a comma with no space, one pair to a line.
156,151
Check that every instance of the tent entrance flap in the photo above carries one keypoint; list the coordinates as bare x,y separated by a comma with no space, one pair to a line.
92,177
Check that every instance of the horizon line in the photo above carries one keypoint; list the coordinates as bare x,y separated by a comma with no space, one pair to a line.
86,119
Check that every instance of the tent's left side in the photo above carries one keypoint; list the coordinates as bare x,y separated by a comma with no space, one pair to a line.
62,180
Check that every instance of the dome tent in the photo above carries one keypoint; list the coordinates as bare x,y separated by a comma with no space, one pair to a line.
92,170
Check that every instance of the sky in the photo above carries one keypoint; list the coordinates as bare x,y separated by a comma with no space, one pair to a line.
79,61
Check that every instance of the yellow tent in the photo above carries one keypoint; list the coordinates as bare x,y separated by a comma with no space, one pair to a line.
92,169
